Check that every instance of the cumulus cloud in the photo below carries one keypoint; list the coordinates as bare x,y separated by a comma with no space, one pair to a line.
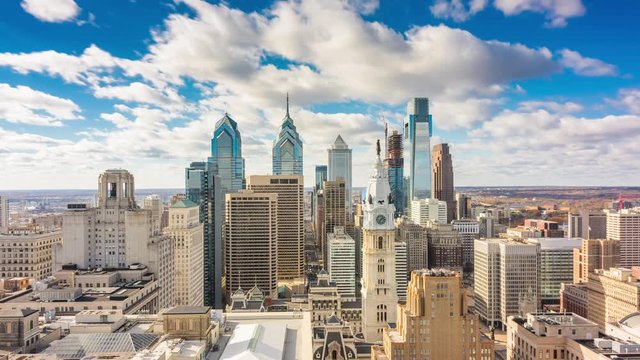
22,104
140,93
555,11
51,10
585,66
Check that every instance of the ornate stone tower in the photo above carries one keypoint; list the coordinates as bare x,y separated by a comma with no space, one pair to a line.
379,296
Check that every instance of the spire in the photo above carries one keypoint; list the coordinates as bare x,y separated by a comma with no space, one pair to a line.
287,104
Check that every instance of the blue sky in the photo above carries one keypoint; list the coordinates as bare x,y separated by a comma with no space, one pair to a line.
527,92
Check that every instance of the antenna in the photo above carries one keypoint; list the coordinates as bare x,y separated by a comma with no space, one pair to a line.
287,104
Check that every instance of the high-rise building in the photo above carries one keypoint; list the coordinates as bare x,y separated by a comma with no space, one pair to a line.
574,298
204,188
442,179
339,167
290,238
435,322
28,253
321,176
624,226
612,294
445,247
341,262
154,204
394,164
251,234
556,265
417,239
594,254
463,206
287,148
4,213
318,220
379,295
587,224
506,279
226,158
187,233
417,145
334,210
425,211
469,230
401,270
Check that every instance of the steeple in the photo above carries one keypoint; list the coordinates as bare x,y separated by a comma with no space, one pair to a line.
378,204
288,104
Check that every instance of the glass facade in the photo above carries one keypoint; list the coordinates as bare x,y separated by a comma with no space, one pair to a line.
417,139
287,149
226,158
340,168
321,175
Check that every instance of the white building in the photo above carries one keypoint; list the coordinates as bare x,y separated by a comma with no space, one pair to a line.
402,273
28,253
187,235
506,279
341,262
379,294
154,203
624,225
424,211
4,213
339,167
556,265
470,230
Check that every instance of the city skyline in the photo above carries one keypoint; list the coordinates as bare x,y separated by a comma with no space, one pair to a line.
88,87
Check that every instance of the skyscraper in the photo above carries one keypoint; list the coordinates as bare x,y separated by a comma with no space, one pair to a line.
587,224
594,254
417,144
4,213
394,164
226,158
289,189
379,294
187,233
321,176
287,148
340,168
463,206
334,210
424,211
624,226
204,188
251,234
442,178
445,247
341,261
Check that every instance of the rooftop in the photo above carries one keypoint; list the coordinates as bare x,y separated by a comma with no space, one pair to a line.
188,310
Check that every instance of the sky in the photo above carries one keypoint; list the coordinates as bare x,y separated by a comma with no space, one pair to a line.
526,92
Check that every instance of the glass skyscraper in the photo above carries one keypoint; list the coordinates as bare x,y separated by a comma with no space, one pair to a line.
226,158
417,144
394,164
287,148
340,168
321,176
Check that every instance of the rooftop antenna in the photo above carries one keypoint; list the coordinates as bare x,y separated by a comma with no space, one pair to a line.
287,104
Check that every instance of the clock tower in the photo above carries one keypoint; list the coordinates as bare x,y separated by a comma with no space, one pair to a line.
379,296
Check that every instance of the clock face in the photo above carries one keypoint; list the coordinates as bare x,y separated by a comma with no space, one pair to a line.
381,219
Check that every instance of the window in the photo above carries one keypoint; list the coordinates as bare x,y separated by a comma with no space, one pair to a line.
380,242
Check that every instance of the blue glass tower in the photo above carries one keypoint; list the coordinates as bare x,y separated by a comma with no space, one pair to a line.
417,144
321,176
226,158
287,148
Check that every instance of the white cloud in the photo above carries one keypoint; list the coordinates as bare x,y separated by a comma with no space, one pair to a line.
562,108
21,104
141,93
586,66
555,11
51,10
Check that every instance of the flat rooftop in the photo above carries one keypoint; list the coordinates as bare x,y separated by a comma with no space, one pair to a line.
188,310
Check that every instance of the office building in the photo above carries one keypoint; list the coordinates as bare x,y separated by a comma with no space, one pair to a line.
379,294
417,144
28,253
402,270
469,229
416,238
340,167
154,204
321,176
442,178
612,294
187,234
624,226
287,148
594,254
556,265
4,213
334,211
463,206
341,262
290,240
574,298
204,188
587,224
394,164
506,279
488,224
251,235
548,228
226,158
425,211
318,220
435,322
445,247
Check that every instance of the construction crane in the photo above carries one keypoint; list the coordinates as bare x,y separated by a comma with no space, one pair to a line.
622,198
